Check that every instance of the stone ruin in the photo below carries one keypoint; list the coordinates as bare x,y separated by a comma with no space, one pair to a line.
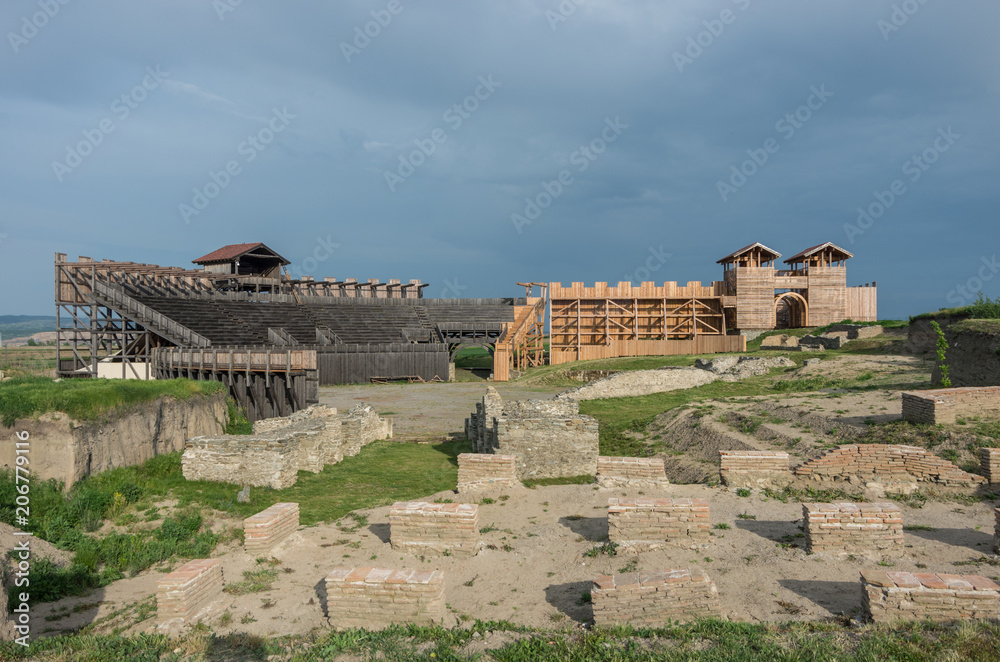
279,448
887,467
733,368
832,338
548,438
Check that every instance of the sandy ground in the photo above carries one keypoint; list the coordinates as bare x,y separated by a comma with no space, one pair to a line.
427,411
533,569
758,565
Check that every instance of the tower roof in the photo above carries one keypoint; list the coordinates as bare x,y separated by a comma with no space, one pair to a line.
765,251
838,252
234,251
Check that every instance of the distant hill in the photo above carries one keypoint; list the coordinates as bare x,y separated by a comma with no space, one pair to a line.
20,326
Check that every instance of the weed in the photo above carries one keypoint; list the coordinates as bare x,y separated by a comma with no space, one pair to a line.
721,525
743,491
609,548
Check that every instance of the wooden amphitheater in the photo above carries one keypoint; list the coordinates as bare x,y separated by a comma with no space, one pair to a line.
240,319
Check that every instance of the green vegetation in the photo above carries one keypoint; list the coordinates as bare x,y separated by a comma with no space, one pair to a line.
380,474
982,308
942,347
585,479
706,640
20,326
238,422
89,399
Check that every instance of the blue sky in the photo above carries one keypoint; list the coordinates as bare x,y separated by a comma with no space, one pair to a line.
478,144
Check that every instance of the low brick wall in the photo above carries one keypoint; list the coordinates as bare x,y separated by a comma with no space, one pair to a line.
852,528
262,461
989,460
648,523
904,596
419,527
268,528
479,426
888,464
361,426
745,468
631,472
376,597
945,405
183,593
654,598
479,471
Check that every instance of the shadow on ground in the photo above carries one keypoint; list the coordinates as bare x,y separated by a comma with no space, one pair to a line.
837,597
572,599
594,529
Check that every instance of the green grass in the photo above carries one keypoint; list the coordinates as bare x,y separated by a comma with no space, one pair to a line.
383,472
982,308
474,358
585,479
706,640
89,399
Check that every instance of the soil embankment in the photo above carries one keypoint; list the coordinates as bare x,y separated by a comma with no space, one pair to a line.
68,450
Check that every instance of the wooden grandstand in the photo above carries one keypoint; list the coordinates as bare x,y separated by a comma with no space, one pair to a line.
272,340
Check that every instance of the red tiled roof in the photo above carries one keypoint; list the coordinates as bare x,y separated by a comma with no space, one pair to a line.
756,244
233,251
809,251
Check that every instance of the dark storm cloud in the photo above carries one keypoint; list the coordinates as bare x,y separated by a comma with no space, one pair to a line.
391,147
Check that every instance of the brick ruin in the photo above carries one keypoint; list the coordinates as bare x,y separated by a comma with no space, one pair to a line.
744,468
888,464
281,447
548,438
377,597
478,471
641,524
631,472
182,595
270,527
852,528
946,405
419,527
905,596
989,460
892,466
654,598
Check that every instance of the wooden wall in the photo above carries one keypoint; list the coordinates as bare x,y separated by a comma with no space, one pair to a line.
647,290
755,297
617,348
357,364
862,303
827,295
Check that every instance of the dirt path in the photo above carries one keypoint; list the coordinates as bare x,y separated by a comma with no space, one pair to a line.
427,411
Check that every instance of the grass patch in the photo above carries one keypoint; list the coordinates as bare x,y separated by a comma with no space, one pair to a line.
586,479
89,399
703,640
382,473
254,581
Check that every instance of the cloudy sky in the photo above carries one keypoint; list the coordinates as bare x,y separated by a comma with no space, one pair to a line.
477,144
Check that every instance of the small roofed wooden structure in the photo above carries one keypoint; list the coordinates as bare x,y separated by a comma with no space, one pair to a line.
754,255
244,259
824,255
